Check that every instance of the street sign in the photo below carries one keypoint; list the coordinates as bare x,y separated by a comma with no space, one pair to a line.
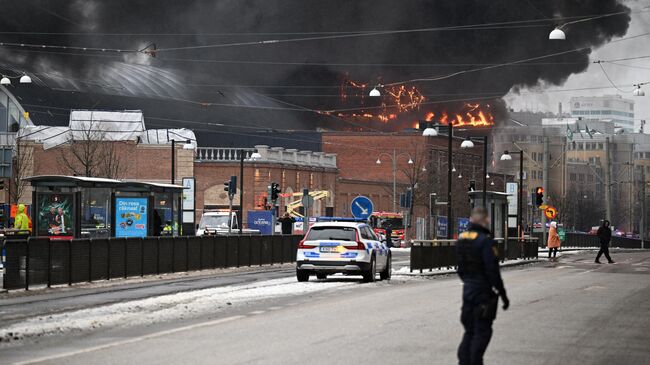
550,212
441,227
361,207
463,224
511,189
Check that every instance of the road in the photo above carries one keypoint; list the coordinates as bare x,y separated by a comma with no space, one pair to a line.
571,312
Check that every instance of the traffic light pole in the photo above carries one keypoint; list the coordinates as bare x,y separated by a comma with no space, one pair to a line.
241,191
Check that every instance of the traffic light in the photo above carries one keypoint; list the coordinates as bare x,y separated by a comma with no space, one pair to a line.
539,196
231,185
275,191
472,185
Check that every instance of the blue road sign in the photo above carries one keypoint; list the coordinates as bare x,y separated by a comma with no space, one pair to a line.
361,207
441,227
463,224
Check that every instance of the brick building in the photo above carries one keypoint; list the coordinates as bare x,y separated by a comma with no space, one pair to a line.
293,170
420,164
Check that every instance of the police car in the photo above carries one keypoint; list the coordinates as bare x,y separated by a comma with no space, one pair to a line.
350,248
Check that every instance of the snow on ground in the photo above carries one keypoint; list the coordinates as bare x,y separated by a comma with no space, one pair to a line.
163,308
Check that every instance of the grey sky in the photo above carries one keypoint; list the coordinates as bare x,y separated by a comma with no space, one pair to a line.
623,73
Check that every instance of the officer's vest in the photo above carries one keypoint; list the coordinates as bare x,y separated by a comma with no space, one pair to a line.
469,259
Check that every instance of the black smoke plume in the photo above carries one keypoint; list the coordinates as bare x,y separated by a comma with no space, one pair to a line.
304,76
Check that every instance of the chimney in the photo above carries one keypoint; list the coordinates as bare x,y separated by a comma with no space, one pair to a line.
559,109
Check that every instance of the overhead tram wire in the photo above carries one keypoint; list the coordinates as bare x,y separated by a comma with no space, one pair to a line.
481,26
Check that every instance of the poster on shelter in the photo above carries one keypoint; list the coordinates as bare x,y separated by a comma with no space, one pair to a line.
131,217
55,215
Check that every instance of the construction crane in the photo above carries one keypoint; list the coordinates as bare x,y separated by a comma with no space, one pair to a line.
292,207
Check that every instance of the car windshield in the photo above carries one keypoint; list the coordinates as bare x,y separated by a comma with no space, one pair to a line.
393,223
214,221
332,233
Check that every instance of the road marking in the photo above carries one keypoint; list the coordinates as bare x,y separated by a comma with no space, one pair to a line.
128,341
257,312
274,308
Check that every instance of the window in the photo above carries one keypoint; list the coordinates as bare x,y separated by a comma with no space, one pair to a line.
541,174
590,178
534,156
332,233
572,177
581,177
534,173
4,105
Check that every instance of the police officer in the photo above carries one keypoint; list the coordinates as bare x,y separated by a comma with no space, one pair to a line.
478,268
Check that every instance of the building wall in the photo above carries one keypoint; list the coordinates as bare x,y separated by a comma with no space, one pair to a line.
210,178
359,173
142,162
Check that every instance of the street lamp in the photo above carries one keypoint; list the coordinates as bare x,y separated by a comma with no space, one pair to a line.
429,131
507,157
557,34
24,79
638,91
467,143
374,92
394,157
187,145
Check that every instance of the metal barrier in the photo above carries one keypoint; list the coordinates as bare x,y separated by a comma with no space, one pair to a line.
439,254
583,240
41,261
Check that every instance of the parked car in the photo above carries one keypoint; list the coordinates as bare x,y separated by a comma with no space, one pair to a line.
350,248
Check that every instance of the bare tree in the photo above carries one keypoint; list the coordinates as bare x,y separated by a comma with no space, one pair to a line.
22,165
89,153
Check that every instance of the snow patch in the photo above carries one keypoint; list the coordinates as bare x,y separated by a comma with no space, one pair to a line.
162,308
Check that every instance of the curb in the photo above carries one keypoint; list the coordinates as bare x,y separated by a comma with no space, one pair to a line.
436,272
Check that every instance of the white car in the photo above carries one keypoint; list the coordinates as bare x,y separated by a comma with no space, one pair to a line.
342,247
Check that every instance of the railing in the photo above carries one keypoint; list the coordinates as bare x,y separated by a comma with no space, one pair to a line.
439,254
40,261
222,154
267,155
582,240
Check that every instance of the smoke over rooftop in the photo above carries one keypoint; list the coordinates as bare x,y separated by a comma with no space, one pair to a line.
289,79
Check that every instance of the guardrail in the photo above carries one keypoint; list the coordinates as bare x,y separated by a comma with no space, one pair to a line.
439,254
41,261
582,240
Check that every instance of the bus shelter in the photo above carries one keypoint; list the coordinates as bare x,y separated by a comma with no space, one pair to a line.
74,207
497,207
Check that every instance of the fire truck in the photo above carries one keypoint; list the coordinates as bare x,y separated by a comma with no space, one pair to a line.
379,221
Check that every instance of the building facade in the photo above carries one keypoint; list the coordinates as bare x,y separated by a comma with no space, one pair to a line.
611,108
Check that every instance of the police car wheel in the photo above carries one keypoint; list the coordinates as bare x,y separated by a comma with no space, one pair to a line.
321,276
302,276
370,275
386,274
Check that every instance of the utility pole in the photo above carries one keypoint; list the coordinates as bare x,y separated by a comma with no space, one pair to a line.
545,186
608,181
642,222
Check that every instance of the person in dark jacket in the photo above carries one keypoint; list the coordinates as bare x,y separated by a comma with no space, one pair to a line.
287,222
478,268
604,236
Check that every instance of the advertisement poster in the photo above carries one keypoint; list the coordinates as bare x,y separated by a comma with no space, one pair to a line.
463,224
131,217
441,227
261,220
55,215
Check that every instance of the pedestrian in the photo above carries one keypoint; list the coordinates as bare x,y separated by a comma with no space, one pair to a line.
604,236
287,222
478,268
21,221
389,235
553,242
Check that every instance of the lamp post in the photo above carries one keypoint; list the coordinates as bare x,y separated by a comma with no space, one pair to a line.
393,159
254,156
429,131
186,146
507,157
467,143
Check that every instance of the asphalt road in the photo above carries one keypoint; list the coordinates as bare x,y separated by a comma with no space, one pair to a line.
571,312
